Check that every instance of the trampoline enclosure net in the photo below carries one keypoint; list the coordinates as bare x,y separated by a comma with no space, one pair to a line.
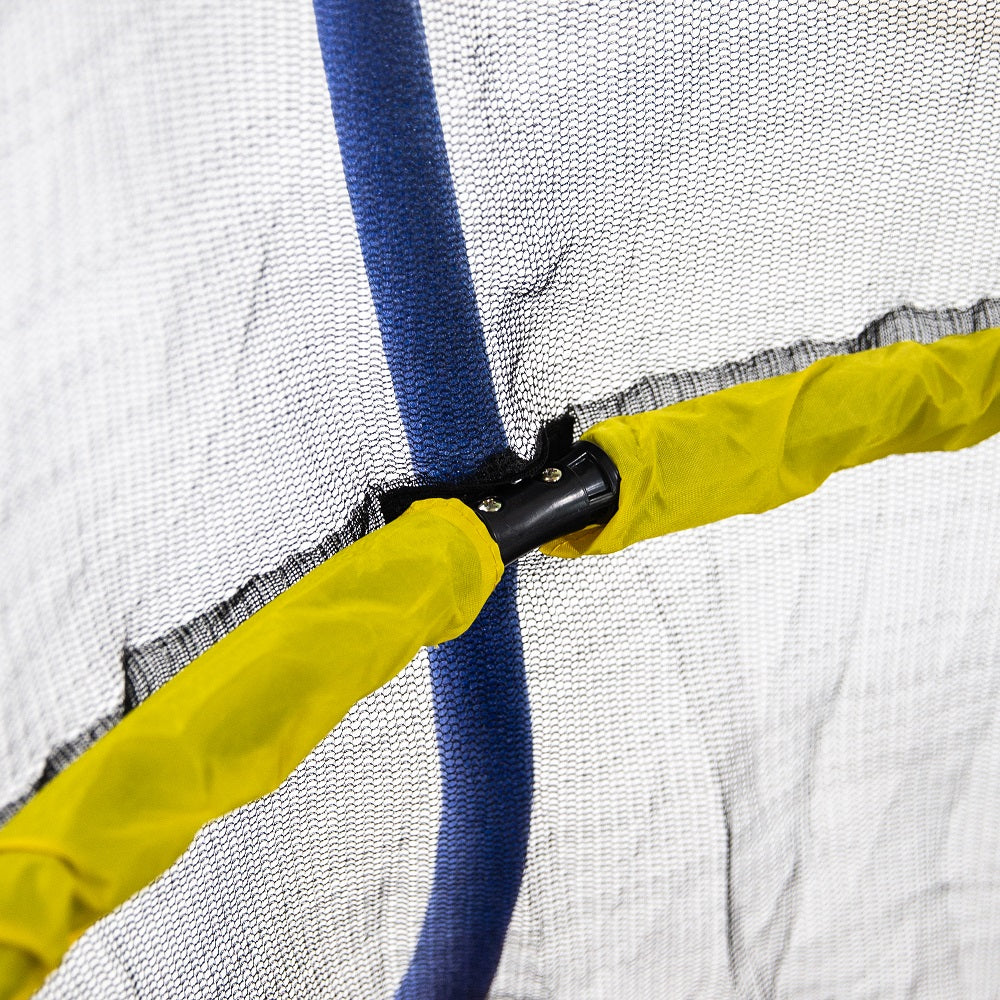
766,751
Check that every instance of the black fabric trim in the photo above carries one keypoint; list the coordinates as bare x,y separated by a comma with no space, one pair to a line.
905,323
61,757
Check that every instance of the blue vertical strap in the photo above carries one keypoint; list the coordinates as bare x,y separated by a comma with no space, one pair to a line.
396,166
484,741
391,143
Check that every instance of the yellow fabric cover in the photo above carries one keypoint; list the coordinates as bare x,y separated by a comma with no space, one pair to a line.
236,722
231,727
755,446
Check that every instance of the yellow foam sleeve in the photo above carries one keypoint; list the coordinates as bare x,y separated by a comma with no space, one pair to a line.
231,727
755,446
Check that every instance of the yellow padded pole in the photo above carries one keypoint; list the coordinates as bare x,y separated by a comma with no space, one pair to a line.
236,722
755,446
231,727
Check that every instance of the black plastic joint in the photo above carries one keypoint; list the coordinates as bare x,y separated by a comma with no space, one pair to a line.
570,493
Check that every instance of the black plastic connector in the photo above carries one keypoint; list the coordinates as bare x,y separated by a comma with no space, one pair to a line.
568,494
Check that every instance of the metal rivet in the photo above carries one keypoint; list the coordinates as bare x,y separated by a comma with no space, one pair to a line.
490,505
551,475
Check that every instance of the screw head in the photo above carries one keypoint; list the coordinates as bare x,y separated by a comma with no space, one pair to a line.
551,475
490,505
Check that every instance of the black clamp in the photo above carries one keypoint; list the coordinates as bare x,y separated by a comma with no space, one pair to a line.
570,493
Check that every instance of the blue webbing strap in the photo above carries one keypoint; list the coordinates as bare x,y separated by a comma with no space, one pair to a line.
394,157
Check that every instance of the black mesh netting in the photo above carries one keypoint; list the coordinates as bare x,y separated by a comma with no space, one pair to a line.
766,751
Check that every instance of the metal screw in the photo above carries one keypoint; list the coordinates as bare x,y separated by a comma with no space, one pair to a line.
490,505
551,475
